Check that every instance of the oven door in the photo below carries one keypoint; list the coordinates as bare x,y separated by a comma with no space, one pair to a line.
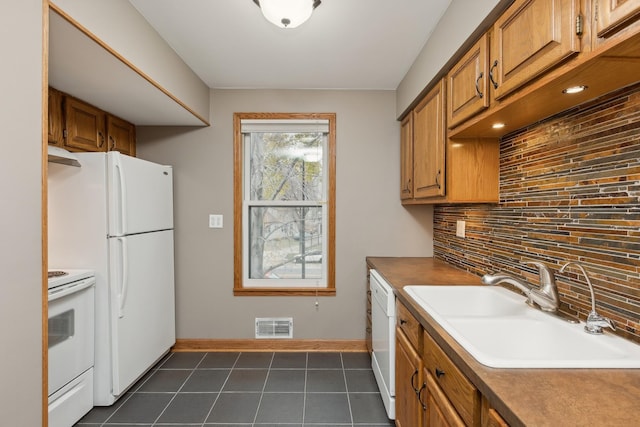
71,320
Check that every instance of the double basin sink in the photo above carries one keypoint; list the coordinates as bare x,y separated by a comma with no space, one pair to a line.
499,330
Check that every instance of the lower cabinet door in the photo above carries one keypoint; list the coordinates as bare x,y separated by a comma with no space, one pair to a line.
439,411
408,383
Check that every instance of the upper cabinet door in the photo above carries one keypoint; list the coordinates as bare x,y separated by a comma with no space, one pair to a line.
406,157
55,117
468,84
611,15
121,135
85,126
531,37
429,144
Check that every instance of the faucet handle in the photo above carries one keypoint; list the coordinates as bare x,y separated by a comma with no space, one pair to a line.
546,276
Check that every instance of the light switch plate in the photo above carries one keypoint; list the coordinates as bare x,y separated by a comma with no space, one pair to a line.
460,228
215,221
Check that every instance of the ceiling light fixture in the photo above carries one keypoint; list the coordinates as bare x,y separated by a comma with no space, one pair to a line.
287,13
498,125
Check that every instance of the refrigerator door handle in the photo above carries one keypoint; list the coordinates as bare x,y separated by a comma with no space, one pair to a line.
122,296
122,195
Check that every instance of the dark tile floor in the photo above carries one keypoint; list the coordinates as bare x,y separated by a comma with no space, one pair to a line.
250,389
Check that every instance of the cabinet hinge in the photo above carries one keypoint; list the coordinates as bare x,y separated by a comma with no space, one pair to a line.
64,133
579,25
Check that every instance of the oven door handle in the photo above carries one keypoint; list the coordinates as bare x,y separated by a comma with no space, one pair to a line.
122,297
69,289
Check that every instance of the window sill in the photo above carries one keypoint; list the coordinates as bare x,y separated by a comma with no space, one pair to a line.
244,292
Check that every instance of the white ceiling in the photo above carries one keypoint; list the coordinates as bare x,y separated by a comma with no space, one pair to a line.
347,44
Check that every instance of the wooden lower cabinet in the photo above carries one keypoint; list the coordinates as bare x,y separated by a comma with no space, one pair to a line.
409,411
430,389
439,411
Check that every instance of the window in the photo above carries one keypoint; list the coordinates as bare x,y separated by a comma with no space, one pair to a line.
284,204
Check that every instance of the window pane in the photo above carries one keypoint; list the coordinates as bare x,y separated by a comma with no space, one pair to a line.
285,242
286,166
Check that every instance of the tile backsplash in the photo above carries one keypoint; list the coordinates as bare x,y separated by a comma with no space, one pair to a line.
569,191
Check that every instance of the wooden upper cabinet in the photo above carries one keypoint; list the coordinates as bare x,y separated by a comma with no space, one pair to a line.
612,15
55,117
429,144
85,126
121,136
531,37
468,84
406,157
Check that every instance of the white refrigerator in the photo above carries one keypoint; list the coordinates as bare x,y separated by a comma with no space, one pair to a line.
114,215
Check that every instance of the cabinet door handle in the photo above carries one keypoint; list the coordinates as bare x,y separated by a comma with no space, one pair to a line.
100,139
419,394
402,321
113,142
439,372
495,84
415,389
480,94
438,178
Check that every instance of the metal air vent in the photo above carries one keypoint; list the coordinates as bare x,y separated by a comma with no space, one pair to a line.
274,327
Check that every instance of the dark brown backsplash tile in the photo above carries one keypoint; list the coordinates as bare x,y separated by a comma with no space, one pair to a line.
569,191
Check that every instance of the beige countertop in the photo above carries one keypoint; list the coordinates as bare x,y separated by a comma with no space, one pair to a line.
531,397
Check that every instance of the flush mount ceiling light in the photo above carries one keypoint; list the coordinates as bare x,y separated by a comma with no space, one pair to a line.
498,125
287,13
574,89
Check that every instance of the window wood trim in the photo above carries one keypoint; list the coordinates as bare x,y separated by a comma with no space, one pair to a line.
238,288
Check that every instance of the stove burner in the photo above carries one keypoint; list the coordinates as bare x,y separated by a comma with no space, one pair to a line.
56,273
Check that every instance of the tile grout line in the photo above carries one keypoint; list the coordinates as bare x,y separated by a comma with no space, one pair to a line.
346,388
304,389
122,400
264,385
179,388
221,388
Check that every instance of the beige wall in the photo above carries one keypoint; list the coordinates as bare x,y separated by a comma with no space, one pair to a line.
458,23
370,219
20,215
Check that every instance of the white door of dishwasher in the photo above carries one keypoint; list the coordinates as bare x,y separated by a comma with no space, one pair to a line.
383,339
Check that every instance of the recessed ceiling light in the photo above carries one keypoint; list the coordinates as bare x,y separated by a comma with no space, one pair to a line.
574,89
498,125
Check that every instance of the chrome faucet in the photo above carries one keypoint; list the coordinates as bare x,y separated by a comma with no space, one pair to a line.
544,296
595,322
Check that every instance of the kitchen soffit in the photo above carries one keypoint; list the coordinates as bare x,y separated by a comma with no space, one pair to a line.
81,67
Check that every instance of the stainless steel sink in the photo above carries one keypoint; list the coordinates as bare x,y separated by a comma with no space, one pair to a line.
499,330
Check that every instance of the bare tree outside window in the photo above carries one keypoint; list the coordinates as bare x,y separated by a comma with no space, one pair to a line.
286,241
